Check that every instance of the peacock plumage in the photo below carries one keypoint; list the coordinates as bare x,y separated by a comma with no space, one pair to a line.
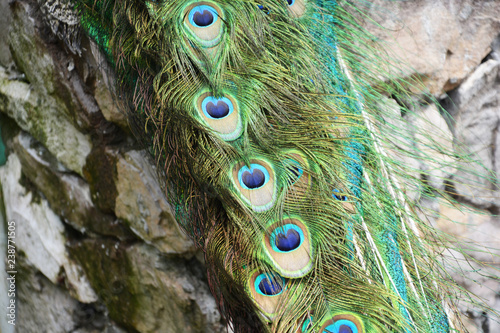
269,121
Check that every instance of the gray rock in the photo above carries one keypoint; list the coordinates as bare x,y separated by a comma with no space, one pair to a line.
40,233
439,41
35,292
100,173
46,308
126,184
475,107
143,205
56,103
5,296
5,18
63,20
145,291
67,193
434,146
104,97
45,120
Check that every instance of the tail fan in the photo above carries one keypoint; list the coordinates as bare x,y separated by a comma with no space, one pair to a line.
269,122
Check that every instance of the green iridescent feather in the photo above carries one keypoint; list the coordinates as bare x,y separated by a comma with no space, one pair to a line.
267,119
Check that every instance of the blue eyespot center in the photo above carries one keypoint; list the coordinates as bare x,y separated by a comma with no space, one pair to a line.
345,329
288,242
290,2
287,238
295,169
341,326
217,108
268,284
202,16
264,9
337,195
254,177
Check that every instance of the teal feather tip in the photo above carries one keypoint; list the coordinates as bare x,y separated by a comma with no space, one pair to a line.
279,109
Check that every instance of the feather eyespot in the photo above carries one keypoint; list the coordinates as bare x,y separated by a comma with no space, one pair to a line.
204,23
254,177
287,238
203,16
220,114
341,326
343,323
266,289
297,8
256,184
217,108
268,284
339,196
289,248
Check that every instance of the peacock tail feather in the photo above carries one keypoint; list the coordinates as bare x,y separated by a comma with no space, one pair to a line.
271,123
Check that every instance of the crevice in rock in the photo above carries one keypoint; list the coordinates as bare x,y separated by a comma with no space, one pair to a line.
493,147
90,316
449,189
448,109
8,130
485,325
36,195
495,51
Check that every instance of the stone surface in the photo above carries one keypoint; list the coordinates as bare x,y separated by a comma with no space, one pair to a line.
5,56
45,307
100,173
70,173
99,249
440,41
46,121
434,146
40,233
104,97
475,106
477,264
141,203
67,193
146,291
54,73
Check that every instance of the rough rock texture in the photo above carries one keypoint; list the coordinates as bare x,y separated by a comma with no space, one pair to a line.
40,233
474,227
441,41
98,247
476,108
140,202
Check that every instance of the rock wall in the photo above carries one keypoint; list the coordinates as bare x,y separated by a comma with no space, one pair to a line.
98,249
